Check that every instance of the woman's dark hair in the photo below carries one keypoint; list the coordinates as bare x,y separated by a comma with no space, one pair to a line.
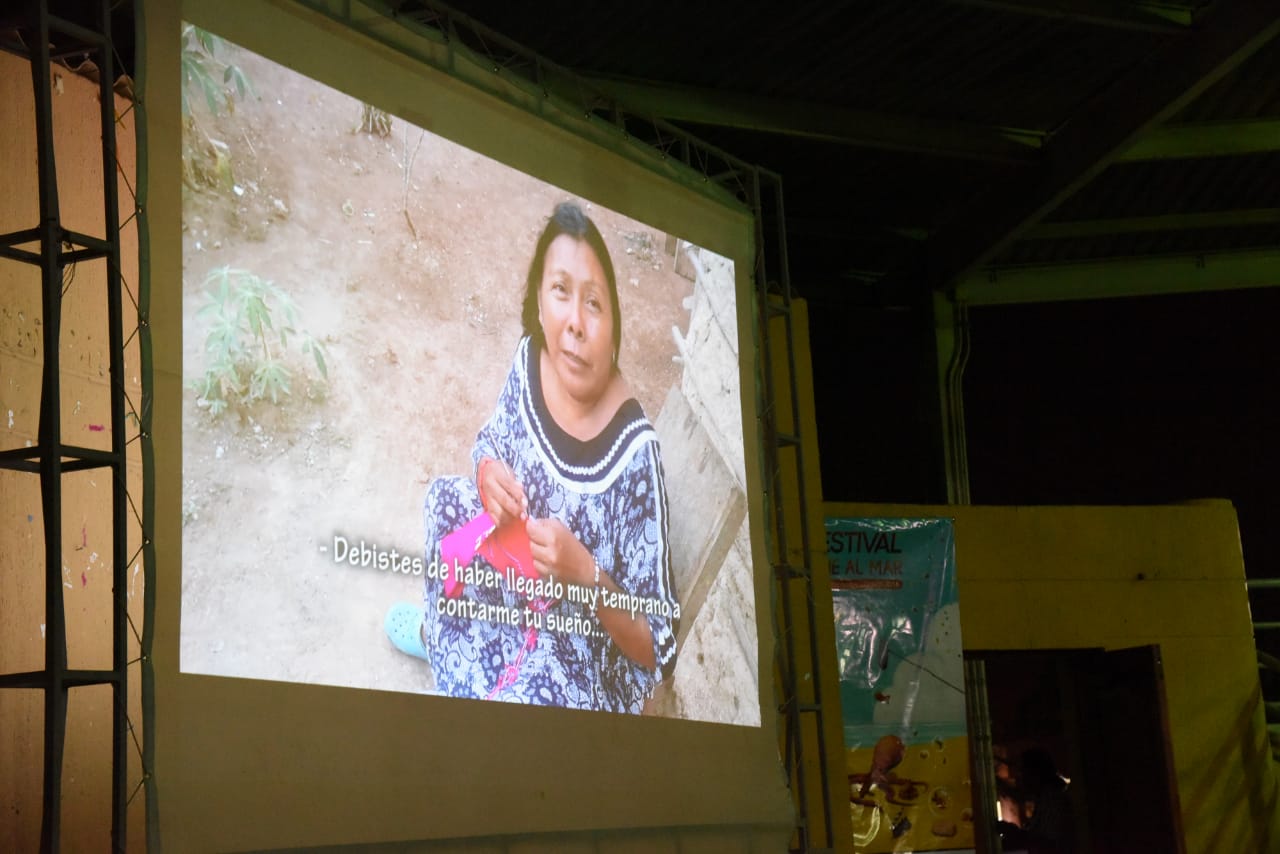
569,219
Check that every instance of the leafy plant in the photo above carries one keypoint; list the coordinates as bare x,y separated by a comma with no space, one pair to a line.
252,321
200,68
205,159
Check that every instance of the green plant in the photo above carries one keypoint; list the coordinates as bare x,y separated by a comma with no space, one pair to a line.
200,66
206,160
252,321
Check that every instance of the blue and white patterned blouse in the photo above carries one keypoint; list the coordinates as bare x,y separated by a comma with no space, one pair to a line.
609,492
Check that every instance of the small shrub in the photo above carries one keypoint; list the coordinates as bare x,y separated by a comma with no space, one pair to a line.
252,322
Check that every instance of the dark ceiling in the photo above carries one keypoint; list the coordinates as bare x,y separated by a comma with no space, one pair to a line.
921,140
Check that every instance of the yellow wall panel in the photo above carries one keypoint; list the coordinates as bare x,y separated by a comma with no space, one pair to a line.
1195,540
1061,613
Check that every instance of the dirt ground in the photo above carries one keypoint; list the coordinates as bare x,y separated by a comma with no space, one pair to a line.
413,286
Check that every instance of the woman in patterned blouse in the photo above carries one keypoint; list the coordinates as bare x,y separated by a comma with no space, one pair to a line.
569,456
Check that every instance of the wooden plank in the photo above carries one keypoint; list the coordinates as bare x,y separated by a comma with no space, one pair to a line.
705,504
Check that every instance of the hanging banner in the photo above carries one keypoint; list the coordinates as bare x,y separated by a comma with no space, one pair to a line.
898,646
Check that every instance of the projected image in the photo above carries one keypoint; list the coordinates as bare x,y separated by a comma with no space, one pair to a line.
447,428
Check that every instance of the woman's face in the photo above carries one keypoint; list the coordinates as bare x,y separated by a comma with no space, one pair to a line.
577,318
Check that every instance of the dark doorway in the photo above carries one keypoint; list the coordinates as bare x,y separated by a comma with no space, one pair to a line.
1100,717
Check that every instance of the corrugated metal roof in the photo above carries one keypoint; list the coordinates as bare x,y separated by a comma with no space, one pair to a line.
1196,241
1251,91
1178,186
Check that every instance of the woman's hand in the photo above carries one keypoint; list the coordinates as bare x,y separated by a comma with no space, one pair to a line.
557,552
500,493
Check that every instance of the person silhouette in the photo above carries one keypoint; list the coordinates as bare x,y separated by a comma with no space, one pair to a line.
1048,824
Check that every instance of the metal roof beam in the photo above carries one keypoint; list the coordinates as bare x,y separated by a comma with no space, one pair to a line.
1144,16
949,139
1130,277
1158,87
1068,229
822,121
926,136
1244,218
1206,139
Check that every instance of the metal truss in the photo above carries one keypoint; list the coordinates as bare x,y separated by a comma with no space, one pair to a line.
58,251
802,708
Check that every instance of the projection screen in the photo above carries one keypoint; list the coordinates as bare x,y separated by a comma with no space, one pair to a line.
381,293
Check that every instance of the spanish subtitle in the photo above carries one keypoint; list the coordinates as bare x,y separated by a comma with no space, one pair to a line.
373,556
540,592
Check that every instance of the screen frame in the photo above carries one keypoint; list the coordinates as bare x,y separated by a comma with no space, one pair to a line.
285,759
